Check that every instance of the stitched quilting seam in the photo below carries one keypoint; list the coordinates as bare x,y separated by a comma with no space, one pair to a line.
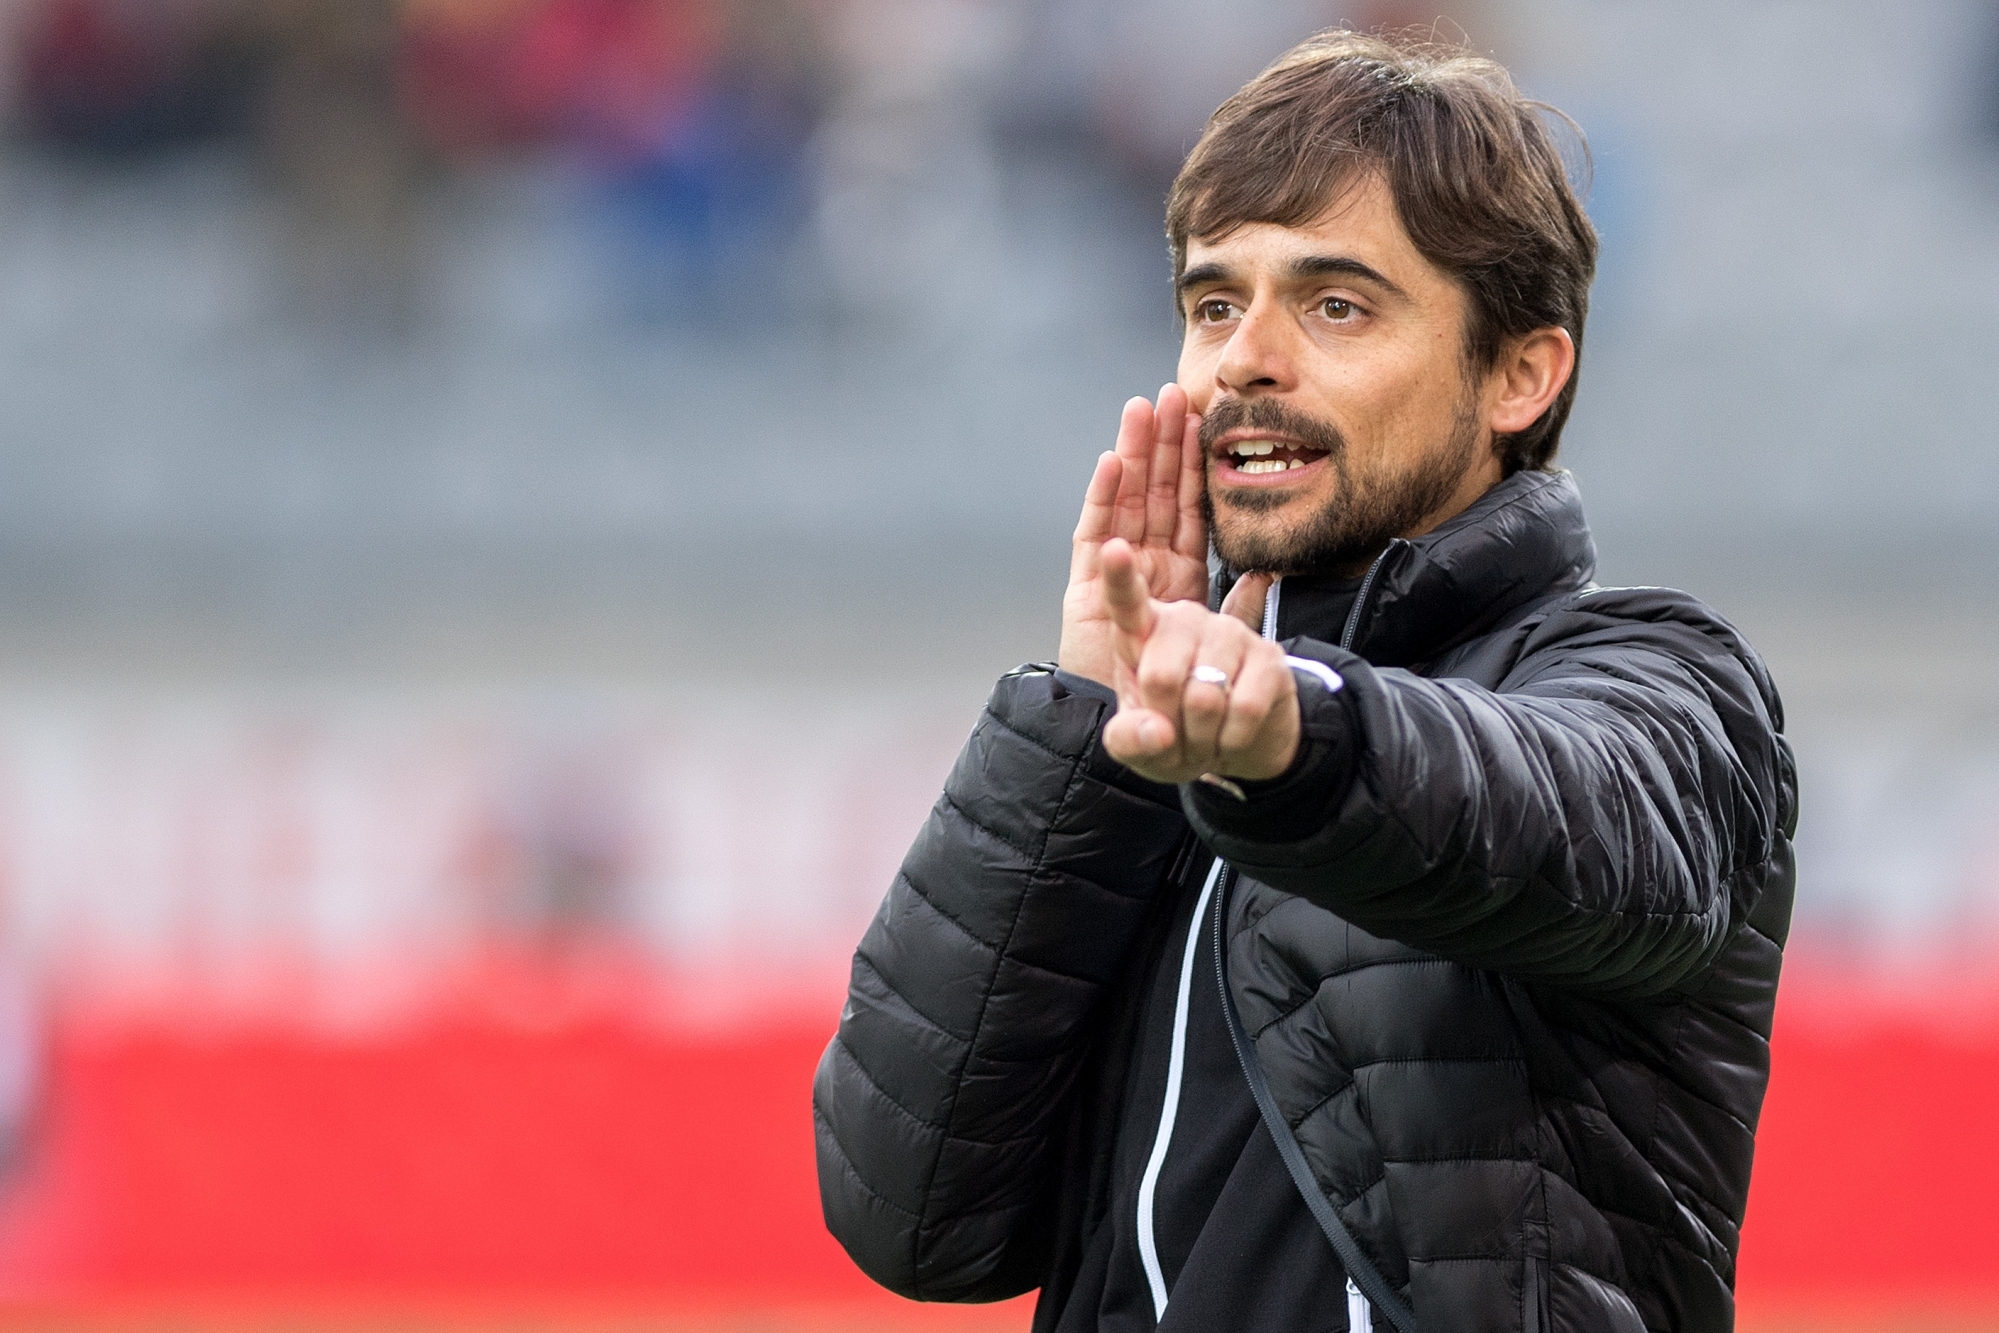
1036,742
1080,760
1439,1060
904,877
985,999
861,957
983,827
1397,816
1320,983
868,1077
1313,1109
847,1168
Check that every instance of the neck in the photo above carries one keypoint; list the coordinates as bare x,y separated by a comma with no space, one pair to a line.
1481,477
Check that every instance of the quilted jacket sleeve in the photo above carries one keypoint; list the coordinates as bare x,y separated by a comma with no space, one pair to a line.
939,1104
1603,819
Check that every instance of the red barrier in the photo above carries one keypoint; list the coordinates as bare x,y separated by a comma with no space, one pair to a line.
1876,1191
604,1166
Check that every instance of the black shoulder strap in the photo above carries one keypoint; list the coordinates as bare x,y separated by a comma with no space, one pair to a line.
1387,1303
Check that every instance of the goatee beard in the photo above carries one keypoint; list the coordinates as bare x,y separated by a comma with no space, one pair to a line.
1362,517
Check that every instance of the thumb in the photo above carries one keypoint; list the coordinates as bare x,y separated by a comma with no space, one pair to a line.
1246,600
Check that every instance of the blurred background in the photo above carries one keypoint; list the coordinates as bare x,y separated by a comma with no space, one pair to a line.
509,507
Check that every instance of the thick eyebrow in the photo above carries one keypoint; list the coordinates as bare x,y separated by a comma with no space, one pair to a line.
1341,266
1310,266
1201,275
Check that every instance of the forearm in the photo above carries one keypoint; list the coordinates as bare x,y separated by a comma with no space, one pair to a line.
1585,834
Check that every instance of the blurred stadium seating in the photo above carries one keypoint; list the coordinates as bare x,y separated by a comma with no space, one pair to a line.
508,507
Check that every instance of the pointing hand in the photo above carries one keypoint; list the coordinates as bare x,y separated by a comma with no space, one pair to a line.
1198,691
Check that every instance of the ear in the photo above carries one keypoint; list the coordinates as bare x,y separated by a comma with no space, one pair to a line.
1529,374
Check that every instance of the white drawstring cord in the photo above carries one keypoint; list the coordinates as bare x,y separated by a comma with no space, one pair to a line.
1360,1316
1176,1065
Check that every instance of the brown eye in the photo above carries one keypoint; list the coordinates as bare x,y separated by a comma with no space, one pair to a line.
1336,309
1214,312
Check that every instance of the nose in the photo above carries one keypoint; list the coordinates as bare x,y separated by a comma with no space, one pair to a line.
1258,357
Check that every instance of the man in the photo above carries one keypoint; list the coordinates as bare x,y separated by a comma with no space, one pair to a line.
1411,962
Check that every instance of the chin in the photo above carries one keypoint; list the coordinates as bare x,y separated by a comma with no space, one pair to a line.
1259,542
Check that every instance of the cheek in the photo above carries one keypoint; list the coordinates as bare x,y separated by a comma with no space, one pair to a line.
1196,374
1402,408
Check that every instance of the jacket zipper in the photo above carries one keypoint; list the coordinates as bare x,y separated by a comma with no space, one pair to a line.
1360,1315
1360,598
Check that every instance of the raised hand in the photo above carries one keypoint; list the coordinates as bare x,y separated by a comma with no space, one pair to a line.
1198,691
1147,493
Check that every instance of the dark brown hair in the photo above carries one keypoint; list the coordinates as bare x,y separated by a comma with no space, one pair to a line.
1474,171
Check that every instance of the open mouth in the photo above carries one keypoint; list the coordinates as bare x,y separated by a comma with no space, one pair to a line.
1253,458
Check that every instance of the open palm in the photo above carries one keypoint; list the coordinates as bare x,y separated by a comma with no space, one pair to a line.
1147,491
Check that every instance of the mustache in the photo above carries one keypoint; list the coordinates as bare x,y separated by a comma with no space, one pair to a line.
1232,413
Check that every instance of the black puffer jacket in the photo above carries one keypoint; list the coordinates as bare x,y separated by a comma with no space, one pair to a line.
1510,972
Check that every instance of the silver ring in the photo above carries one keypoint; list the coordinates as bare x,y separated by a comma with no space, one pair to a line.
1208,675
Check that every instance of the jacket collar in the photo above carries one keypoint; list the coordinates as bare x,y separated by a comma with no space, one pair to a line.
1523,540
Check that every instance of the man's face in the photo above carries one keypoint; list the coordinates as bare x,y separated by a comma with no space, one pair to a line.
1327,362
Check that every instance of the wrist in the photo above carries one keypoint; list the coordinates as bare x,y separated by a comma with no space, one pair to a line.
1296,801
1076,664
1281,757
1086,655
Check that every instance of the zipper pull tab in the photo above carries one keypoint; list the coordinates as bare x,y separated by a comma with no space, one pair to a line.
1360,1316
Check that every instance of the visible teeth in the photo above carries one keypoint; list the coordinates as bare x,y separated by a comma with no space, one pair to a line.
1253,448
1254,465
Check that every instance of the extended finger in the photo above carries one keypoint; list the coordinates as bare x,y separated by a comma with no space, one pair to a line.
1168,660
1126,598
1099,506
1205,705
1190,535
1134,448
1162,499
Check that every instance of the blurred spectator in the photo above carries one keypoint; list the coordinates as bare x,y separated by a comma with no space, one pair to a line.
1152,101
22,1037
125,76
346,163
692,115
618,74
1150,120
689,120
710,185
907,181
560,852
